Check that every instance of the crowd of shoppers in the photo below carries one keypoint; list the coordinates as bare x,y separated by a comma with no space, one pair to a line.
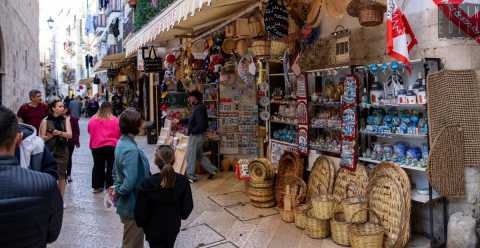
36,163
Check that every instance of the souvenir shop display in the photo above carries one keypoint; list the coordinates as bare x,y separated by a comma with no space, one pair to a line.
349,154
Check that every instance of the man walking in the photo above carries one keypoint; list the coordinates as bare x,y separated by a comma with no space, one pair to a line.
75,107
197,125
32,113
31,208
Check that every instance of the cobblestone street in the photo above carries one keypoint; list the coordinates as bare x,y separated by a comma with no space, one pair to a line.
222,216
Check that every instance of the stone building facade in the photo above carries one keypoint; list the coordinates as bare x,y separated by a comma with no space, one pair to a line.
19,52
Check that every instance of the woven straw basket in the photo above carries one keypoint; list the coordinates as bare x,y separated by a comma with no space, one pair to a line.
371,14
261,184
322,207
260,48
340,229
287,215
315,228
301,215
268,204
355,206
367,235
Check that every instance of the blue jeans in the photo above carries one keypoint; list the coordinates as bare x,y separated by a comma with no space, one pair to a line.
195,152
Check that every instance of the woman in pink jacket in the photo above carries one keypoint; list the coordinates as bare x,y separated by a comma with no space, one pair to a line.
104,133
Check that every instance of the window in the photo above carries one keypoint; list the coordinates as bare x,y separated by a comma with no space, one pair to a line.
448,29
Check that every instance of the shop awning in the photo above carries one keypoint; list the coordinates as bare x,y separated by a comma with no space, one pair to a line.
87,81
185,17
109,60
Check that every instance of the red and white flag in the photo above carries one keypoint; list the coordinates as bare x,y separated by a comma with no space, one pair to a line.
468,22
400,36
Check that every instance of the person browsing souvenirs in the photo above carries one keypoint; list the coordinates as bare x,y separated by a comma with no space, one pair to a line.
197,125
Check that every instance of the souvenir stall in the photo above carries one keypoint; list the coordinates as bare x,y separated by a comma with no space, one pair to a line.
348,142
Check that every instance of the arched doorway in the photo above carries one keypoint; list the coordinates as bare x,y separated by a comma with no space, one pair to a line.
2,65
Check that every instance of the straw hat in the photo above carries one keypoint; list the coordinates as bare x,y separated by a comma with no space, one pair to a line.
336,8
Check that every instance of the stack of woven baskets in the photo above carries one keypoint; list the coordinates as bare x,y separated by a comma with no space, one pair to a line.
260,187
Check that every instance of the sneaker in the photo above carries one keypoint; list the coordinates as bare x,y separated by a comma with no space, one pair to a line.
212,175
96,191
192,179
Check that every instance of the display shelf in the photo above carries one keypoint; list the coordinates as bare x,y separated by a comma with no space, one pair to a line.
327,104
325,127
282,102
283,142
424,198
327,152
399,106
284,122
373,161
278,74
212,116
392,135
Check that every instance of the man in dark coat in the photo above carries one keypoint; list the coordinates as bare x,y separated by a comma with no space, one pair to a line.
31,208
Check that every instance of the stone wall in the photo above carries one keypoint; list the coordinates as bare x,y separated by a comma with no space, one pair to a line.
20,59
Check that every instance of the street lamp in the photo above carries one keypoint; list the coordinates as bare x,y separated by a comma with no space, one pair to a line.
50,22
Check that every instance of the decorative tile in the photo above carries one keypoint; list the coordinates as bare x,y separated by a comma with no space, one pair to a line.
197,236
230,198
246,212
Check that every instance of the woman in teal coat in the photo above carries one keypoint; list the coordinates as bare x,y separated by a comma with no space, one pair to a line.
131,167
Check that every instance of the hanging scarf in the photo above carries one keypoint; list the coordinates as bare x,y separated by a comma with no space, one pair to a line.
468,24
58,122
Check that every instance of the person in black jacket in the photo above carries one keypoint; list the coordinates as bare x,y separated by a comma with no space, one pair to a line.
197,125
163,200
31,208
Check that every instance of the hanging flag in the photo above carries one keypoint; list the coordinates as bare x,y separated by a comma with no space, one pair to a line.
398,33
470,24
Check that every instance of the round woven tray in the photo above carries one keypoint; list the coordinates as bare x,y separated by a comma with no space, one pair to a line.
350,183
390,198
260,169
322,177
270,204
261,185
290,164
298,189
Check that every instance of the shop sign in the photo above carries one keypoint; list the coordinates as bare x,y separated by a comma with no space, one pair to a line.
151,62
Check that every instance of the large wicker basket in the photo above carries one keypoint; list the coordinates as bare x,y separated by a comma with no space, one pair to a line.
269,204
322,207
340,229
371,14
287,215
301,215
367,235
260,48
315,228
355,206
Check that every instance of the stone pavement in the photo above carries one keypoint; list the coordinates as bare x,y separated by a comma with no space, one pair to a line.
222,216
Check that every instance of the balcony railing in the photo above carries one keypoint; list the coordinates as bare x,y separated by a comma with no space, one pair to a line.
114,6
118,48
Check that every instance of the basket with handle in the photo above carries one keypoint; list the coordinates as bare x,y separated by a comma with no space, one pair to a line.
339,227
371,13
323,206
287,213
315,228
367,235
301,215
277,48
354,204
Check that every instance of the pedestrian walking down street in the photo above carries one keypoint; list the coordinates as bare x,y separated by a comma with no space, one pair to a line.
55,129
32,113
92,106
75,107
197,125
32,152
163,200
73,142
104,132
30,202
131,167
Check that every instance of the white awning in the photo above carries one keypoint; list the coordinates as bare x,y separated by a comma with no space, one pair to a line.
181,18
